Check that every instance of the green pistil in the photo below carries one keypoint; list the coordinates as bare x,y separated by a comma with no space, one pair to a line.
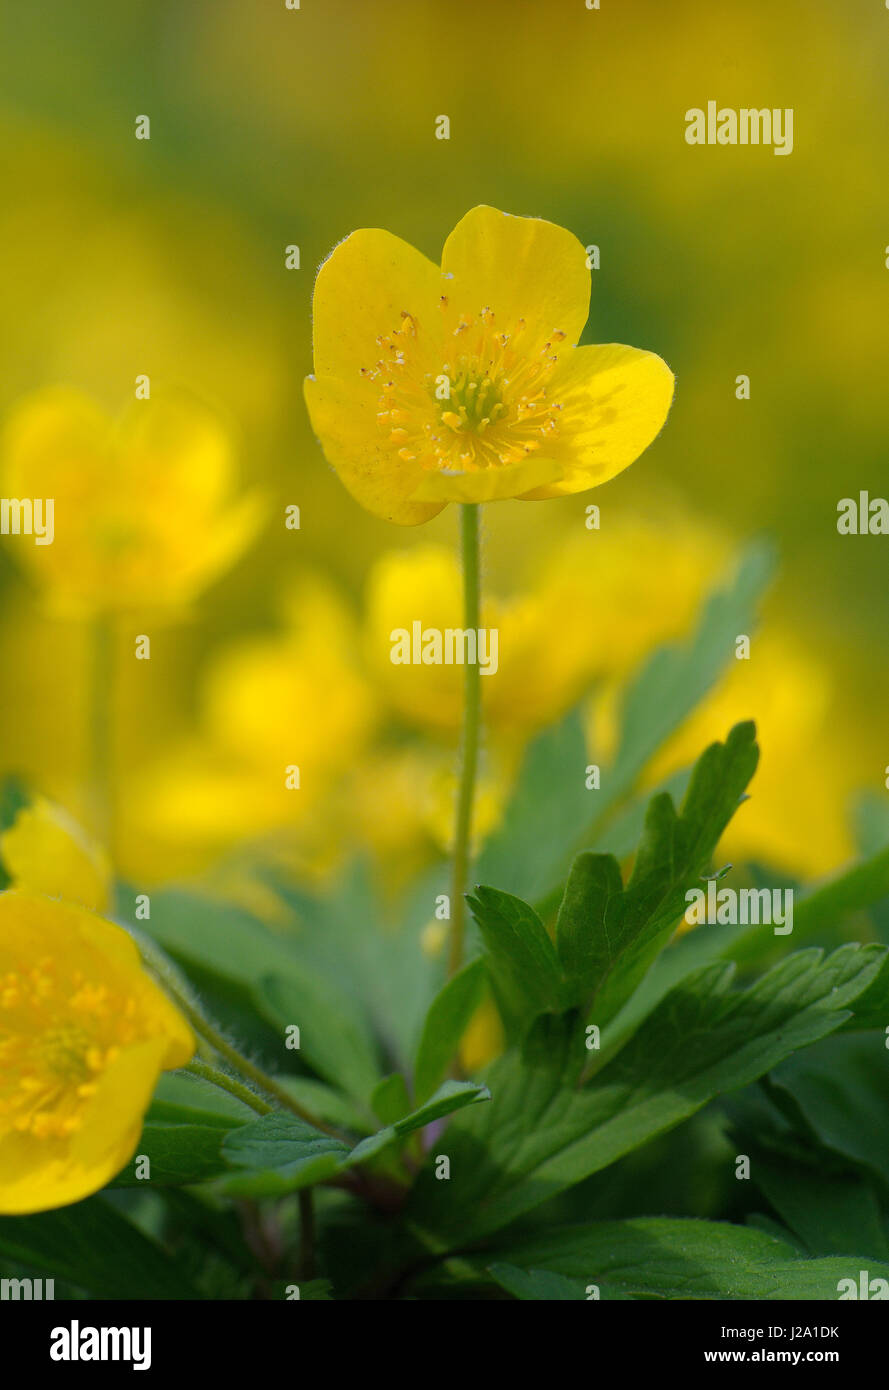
476,400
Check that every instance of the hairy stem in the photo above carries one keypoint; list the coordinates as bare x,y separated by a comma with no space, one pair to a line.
181,994
228,1083
468,765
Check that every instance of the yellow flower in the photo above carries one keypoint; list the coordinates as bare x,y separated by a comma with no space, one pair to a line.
464,384
594,607
294,698
484,1039
386,808
144,510
400,801
797,816
45,851
84,1035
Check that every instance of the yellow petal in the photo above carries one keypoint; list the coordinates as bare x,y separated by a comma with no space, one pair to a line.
344,419
182,447
489,484
44,851
614,400
363,288
41,1174
32,926
228,534
35,1175
145,506
521,268
56,442
113,1119
107,1007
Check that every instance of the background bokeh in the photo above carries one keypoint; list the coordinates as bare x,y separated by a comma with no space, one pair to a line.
271,127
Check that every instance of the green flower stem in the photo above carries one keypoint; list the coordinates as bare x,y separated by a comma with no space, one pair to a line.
242,1064
101,679
180,993
228,1083
469,537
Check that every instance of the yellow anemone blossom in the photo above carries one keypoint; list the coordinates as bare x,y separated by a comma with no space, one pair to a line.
592,610
464,383
84,1035
144,508
45,851
292,698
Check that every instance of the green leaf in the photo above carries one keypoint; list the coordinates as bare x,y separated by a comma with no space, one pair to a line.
316,1291
624,830
182,1133
180,1152
14,797
335,1037
450,1096
677,678
328,1104
390,1100
343,937
446,1022
382,981
279,1153
204,1102
860,887
840,1090
521,959
683,1258
94,1247
545,1131
550,795
609,934
871,821
832,1213
220,939
583,926
872,1009
819,912
552,815
539,1284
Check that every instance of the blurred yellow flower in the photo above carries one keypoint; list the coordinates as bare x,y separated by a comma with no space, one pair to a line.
294,698
386,809
484,1039
45,851
399,803
300,689
145,511
797,818
465,384
593,610
84,1035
